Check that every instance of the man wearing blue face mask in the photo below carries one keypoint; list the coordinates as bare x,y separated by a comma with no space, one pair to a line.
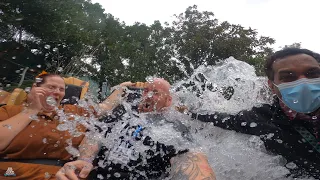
290,126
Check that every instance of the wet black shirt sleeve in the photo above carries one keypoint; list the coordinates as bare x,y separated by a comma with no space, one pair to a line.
255,121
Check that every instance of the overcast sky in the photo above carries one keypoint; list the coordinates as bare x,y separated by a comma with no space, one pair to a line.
287,21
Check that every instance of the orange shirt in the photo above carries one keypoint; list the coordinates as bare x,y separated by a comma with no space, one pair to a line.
39,140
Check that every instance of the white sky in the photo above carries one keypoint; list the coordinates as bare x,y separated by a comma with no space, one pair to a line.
287,21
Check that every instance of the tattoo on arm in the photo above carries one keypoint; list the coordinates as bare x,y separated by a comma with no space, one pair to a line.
191,167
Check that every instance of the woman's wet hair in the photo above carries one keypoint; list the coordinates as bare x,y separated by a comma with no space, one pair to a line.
41,79
283,54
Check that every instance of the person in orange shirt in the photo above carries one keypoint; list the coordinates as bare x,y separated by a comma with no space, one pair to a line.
31,146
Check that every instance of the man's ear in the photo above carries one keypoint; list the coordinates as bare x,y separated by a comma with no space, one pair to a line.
169,101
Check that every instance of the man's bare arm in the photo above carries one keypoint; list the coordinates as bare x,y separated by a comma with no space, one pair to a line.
191,166
114,99
88,149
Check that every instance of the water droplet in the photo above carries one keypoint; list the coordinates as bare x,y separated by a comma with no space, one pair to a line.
75,98
77,134
64,100
253,124
51,101
39,66
270,135
243,123
30,135
149,79
291,165
55,49
73,151
19,19
38,80
32,126
47,46
7,126
14,57
314,117
17,71
59,69
116,174
44,153
34,117
99,176
290,111
150,94
55,145
53,130
27,89
279,141
215,116
44,140
295,101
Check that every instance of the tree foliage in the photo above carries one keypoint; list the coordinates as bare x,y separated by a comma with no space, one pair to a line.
76,37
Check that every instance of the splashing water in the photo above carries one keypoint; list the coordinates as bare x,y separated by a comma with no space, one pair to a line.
51,101
150,79
229,87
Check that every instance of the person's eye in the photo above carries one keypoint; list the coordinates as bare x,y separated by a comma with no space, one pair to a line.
288,77
313,74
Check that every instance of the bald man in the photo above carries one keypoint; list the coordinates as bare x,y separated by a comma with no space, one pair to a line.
156,96
134,155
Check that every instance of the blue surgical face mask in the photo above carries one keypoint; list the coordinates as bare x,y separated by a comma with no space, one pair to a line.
302,96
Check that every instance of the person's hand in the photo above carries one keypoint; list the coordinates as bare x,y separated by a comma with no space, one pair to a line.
131,84
70,170
140,85
37,99
127,84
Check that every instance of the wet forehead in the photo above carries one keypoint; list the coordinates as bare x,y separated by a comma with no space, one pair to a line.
55,80
159,85
295,62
